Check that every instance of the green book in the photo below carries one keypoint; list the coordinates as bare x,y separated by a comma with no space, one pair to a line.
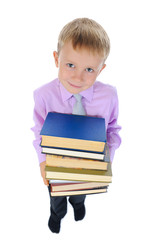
79,174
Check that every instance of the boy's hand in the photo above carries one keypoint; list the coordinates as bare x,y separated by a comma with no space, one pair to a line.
42,168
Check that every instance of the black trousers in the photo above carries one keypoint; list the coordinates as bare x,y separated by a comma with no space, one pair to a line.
58,205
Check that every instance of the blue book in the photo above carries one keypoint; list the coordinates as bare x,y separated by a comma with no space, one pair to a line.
74,132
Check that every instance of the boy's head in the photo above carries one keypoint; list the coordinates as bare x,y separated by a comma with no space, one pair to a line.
83,47
86,33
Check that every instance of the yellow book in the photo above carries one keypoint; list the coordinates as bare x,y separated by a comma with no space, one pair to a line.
72,162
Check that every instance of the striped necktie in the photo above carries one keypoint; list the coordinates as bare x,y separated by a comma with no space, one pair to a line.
78,108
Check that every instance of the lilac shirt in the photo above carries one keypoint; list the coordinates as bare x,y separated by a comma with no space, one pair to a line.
100,100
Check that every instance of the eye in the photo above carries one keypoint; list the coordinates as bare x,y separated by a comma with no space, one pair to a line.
70,65
90,70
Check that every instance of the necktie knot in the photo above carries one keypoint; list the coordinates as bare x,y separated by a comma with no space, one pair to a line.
78,97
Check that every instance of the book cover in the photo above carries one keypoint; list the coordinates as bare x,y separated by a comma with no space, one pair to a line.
74,131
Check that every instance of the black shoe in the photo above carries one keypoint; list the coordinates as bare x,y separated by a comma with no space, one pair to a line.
53,225
79,210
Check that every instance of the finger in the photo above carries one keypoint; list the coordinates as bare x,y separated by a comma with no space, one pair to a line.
46,182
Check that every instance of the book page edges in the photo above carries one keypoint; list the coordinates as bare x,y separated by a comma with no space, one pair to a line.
72,143
79,177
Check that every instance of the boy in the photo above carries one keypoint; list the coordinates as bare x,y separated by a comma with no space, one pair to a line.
83,47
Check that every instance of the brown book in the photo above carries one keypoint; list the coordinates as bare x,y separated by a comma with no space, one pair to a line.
59,185
79,192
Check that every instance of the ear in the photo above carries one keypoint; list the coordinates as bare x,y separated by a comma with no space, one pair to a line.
104,65
55,55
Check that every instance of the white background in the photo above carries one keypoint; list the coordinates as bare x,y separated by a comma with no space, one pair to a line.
29,31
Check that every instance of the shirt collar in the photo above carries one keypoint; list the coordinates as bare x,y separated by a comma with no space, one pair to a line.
88,93
64,93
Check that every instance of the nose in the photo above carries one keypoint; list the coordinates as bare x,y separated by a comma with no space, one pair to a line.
78,76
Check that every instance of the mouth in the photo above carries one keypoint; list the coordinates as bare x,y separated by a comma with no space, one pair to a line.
72,85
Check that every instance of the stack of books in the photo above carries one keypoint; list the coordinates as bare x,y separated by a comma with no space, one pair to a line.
77,158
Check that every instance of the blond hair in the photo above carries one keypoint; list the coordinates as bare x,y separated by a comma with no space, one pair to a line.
84,32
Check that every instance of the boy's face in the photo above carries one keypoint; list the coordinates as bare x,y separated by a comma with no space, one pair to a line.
78,69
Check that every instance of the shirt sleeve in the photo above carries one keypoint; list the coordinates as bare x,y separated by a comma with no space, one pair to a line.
39,115
113,138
